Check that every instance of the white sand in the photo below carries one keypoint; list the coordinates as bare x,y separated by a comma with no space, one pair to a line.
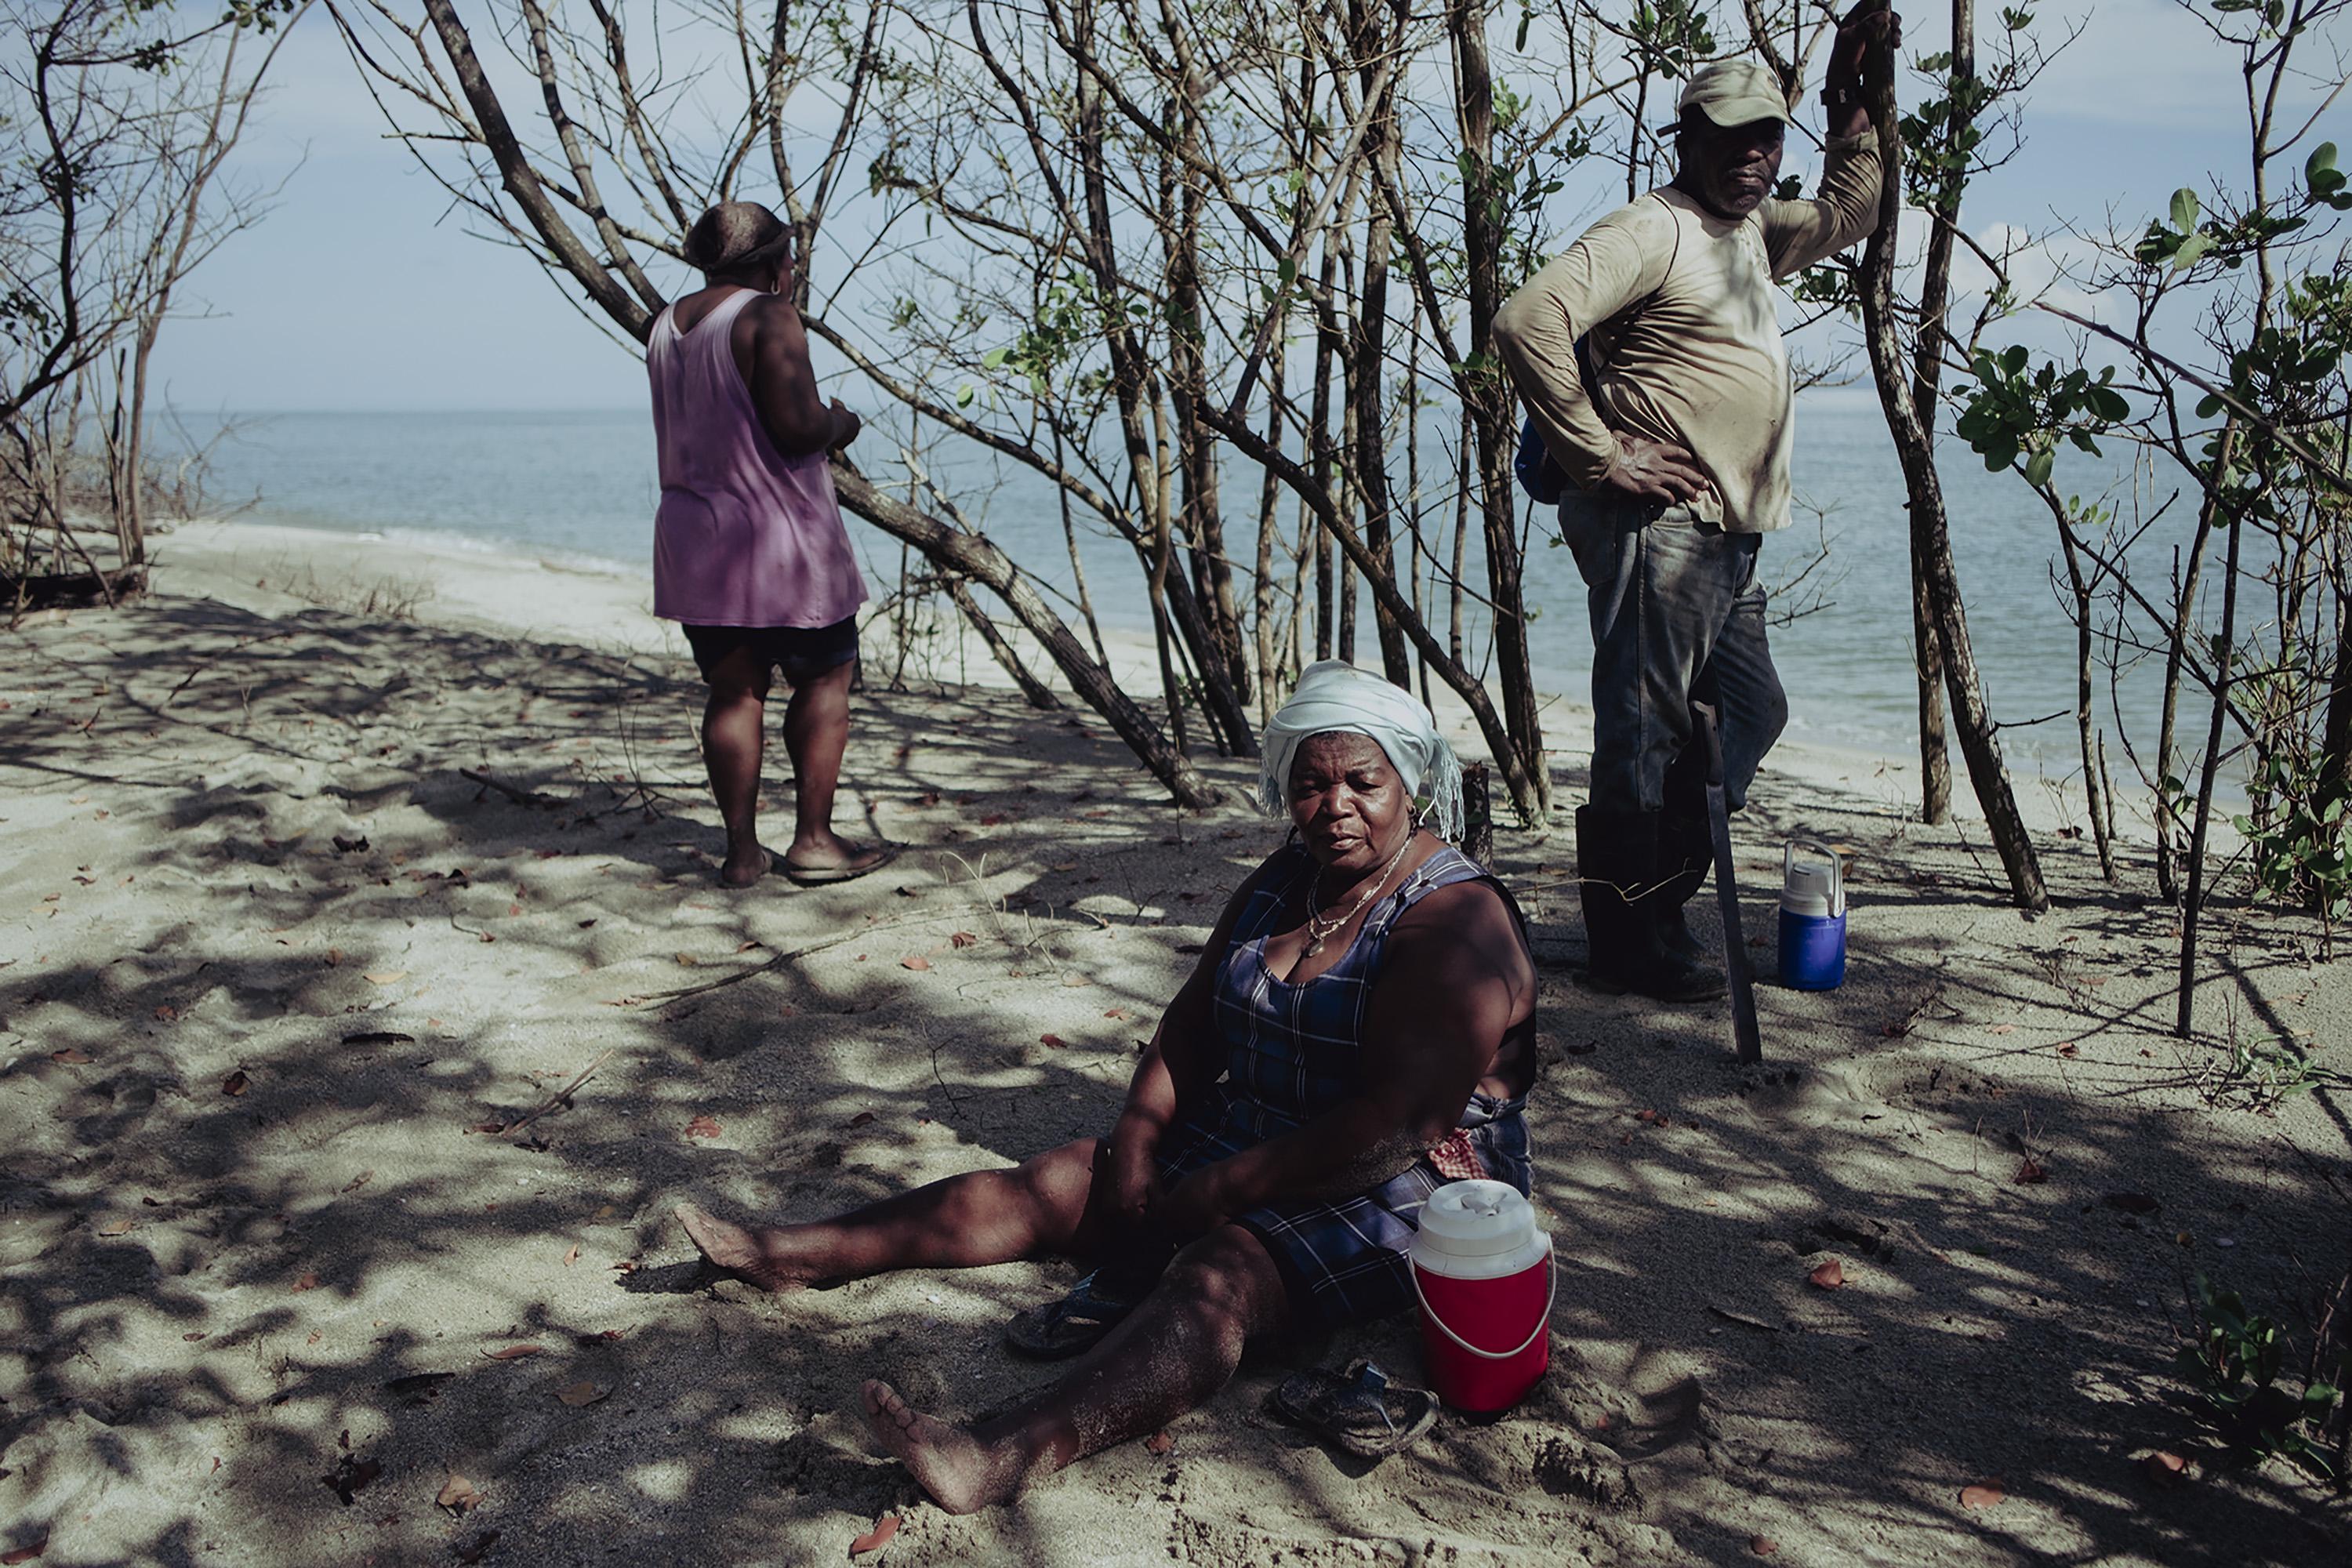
207,1294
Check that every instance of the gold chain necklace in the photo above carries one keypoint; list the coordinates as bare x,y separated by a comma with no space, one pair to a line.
1322,926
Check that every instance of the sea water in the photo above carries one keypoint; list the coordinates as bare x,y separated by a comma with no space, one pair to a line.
581,487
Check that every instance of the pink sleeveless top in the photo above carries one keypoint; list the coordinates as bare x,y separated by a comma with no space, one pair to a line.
745,536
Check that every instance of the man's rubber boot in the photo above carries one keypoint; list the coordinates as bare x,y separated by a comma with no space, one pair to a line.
1624,895
1685,855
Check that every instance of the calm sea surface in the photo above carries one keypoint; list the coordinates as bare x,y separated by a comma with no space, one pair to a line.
582,486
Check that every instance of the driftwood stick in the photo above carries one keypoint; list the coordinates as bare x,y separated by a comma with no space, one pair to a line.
560,1097
519,795
203,665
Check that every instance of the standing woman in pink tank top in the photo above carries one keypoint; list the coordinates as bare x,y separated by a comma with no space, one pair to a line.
750,553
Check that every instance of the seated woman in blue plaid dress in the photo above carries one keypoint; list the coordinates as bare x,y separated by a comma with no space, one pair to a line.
1360,1029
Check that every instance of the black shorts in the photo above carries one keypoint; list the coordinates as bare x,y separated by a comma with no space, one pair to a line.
800,652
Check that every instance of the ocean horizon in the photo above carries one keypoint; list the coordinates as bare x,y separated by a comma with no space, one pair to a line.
579,486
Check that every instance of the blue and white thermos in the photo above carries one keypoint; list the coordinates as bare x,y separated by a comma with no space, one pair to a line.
1812,916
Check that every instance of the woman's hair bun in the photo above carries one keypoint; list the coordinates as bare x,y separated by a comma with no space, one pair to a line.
734,237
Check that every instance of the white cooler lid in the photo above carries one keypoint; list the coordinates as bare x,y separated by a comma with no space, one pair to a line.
1478,1229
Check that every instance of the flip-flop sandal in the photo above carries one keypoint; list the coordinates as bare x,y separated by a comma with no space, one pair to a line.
826,876
1071,1326
1357,1410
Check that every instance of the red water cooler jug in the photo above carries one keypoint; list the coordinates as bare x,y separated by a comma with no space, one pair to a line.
1483,1272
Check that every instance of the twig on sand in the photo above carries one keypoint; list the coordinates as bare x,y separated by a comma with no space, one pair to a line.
202,664
779,960
560,1097
519,795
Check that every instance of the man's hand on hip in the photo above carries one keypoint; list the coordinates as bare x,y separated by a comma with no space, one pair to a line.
1653,470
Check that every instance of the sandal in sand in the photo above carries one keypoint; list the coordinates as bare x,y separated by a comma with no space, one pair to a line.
826,876
1357,1410
1073,1325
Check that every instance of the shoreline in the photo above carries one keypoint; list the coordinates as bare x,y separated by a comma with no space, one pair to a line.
500,587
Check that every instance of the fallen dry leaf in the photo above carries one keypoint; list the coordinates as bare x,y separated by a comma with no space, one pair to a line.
351,1475
702,1127
2069,1049
1119,1013
308,1282
688,960
459,1495
993,818
963,939
1159,1442
1984,1494
1828,1277
26,1552
572,1257
2165,1469
2003,1029
861,1119
386,976
1762,1545
916,961
167,1012
69,1056
513,1352
875,1538
235,1082
2030,1172
576,1395
334,956
1052,1042
115,1228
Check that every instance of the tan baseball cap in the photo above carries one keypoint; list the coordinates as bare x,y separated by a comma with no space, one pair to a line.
1736,92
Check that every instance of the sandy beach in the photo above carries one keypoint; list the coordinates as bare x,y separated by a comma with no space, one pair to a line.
325,870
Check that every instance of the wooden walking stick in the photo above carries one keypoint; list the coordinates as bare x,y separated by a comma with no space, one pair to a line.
1746,1042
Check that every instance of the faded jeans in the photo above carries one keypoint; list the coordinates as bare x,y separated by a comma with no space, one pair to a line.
1677,616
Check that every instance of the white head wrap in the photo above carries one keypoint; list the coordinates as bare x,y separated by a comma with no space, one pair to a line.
1336,695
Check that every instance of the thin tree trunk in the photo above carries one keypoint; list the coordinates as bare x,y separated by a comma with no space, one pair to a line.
1269,532
1368,343
1979,740
1326,454
1037,694
1461,534
2094,784
973,556
1492,425
1927,377
2192,907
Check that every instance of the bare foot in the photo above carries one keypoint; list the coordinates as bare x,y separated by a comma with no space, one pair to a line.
959,1472
749,1255
742,870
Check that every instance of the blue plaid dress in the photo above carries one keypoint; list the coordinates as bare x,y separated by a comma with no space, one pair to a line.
1290,1056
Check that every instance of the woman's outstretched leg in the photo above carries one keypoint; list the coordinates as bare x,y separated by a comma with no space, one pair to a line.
963,1222
1174,1350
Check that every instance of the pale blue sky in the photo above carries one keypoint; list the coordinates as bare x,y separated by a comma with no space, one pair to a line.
358,293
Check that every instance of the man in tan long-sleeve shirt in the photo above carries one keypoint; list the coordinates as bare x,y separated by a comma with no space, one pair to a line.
1677,450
